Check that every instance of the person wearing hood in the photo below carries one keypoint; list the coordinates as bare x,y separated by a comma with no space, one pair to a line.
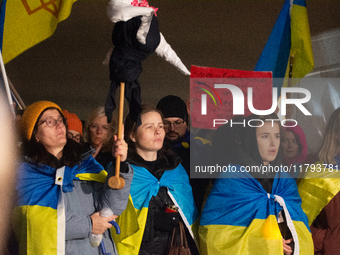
294,147
255,207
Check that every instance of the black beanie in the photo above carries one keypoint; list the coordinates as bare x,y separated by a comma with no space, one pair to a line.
172,107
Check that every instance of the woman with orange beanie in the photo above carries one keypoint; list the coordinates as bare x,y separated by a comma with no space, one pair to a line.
60,193
75,126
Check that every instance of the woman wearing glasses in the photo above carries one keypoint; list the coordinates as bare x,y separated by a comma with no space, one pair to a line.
60,193
99,135
75,127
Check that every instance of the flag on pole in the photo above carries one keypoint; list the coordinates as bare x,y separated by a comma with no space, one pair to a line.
289,41
25,23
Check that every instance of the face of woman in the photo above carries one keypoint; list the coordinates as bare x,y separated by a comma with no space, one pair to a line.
51,136
149,136
289,145
75,135
99,130
268,141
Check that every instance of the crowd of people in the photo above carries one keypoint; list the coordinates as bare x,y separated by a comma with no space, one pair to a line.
63,191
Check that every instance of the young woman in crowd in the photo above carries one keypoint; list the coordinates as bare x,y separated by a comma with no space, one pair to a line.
254,208
60,194
320,193
99,135
161,195
293,147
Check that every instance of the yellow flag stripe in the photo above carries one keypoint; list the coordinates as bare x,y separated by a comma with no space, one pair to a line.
30,22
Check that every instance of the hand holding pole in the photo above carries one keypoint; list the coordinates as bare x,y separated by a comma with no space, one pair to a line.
116,182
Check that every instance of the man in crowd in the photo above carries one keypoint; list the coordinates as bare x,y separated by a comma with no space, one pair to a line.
177,134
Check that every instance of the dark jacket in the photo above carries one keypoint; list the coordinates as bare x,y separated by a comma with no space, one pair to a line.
159,223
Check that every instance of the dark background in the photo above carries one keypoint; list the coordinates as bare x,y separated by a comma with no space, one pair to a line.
67,67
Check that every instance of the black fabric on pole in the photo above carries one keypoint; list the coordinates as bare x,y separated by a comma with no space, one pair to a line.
126,63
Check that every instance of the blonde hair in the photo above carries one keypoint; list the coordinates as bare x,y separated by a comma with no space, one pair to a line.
330,145
96,113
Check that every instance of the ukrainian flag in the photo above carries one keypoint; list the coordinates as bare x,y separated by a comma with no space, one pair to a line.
39,218
320,183
144,185
25,23
240,217
289,44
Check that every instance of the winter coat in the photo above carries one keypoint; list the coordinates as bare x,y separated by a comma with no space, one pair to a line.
150,228
54,207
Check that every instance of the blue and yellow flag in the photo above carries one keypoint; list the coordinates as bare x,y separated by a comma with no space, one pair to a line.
317,187
144,185
41,210
289,41
240,217
25,23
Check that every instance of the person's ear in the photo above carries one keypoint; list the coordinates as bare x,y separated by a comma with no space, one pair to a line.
132,138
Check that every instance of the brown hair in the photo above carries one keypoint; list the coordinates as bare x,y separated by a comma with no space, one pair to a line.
130,127
37,152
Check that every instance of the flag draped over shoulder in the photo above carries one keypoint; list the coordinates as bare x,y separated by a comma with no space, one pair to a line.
290,37
144,185
39,218
27,22
240,217
320,183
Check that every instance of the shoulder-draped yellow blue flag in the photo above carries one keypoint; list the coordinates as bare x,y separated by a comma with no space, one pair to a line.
240,217
25,23
289,39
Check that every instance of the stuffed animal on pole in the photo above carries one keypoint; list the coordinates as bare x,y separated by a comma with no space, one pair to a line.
135,36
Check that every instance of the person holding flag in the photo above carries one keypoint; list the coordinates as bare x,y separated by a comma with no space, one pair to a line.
160,196
60,193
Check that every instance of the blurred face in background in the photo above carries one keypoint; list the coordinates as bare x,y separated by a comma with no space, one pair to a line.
99,130
75,135
175,128
268,141
290,145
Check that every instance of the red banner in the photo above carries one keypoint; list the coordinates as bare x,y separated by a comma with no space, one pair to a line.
215,92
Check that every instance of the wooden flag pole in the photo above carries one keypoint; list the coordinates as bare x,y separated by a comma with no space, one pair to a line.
21,103
116,182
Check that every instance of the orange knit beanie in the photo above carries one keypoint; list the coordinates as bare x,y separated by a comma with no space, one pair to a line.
31,115
73,122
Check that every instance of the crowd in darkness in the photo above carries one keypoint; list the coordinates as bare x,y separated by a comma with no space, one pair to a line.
65,165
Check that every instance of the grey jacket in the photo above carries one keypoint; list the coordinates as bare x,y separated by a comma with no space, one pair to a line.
86,199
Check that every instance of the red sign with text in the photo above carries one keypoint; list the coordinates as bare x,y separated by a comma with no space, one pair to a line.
215,92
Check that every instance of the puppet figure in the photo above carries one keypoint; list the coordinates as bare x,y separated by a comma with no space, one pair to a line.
135,36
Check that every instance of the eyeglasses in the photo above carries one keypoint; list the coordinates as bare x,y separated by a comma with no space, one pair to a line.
95,127
52,122
77,137
176,123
